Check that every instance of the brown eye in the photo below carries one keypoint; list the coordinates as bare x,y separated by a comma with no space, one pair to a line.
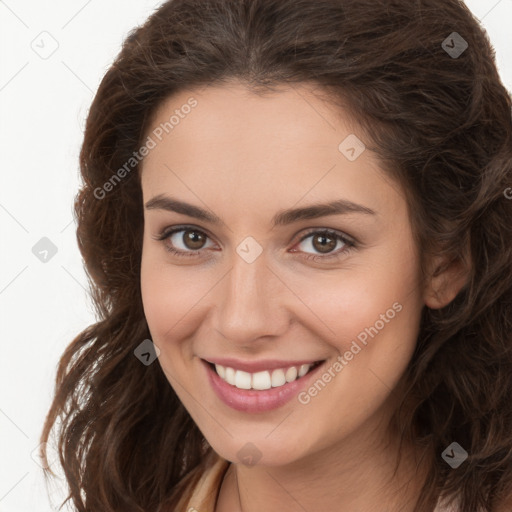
324,243
193,239
185,241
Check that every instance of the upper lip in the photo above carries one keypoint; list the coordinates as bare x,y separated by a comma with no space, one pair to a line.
258,366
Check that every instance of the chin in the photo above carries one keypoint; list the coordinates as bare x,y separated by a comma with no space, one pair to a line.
253,451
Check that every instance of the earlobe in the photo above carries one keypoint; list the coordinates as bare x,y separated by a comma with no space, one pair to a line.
445,281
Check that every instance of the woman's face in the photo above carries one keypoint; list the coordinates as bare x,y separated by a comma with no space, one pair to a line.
258,285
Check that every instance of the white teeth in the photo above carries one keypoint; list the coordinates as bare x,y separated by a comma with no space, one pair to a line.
304,369
261,380
221,371
230,376
278,378
242,380
291,374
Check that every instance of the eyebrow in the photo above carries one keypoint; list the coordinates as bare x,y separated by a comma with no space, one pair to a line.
282,218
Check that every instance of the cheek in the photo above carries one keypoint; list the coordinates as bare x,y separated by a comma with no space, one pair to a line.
348,304
172,299
158,301
164,306
371,310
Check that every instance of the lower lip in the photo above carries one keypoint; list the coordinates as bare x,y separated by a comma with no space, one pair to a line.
251,400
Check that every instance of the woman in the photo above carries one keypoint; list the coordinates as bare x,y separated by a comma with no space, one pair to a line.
295,220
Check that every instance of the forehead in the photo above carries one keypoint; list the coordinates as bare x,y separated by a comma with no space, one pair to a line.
292,116
232,142
229,122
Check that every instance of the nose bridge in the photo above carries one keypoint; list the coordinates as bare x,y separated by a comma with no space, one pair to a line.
247,307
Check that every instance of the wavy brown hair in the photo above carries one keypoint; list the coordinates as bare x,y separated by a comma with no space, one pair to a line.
441,126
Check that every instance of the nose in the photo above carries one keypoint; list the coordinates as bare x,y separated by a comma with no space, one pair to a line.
251,302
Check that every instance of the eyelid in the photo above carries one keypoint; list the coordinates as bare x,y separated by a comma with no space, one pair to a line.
349,241
314,229
349,244
331,231
166,232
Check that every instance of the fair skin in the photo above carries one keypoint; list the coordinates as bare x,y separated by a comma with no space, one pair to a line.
245,158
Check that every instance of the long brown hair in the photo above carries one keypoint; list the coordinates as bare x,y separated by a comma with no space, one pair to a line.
435,112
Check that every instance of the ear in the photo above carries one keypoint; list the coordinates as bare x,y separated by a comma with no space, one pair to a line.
444,281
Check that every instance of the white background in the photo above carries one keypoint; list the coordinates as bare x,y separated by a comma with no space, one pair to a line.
43,106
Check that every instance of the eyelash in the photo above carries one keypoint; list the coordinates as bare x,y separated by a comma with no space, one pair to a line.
349,244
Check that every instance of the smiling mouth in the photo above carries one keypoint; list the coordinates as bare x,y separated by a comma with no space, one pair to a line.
263,380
